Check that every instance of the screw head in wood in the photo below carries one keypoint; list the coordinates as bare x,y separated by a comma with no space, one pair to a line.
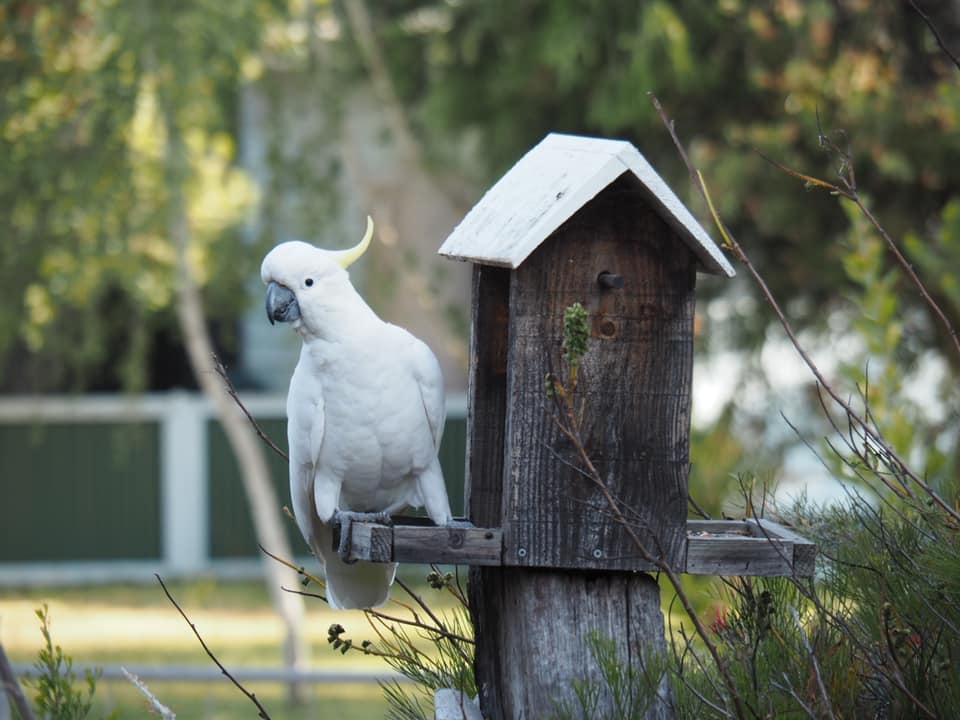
521,552
598,553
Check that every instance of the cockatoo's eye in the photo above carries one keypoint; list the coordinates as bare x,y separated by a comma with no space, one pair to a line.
308,282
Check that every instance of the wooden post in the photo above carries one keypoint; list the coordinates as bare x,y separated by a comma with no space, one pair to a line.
573,573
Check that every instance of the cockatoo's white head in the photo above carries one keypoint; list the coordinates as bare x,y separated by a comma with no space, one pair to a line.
305,283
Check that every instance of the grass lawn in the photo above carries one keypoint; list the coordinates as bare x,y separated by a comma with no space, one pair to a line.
136,625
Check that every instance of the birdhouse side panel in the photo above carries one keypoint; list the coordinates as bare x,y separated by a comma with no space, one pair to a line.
633,391
487,395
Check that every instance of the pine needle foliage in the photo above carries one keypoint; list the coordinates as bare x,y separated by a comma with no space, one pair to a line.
56,684
434,650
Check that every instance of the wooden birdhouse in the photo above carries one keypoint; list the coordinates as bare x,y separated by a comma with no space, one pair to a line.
582,220
578,220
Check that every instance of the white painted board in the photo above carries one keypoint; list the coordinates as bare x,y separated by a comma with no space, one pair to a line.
551,183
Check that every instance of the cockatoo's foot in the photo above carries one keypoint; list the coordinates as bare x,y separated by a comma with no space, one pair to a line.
346,518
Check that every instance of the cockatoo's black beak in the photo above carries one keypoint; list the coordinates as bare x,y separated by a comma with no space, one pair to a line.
281,304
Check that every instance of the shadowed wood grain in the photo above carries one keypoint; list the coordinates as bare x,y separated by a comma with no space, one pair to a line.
634,383
541,635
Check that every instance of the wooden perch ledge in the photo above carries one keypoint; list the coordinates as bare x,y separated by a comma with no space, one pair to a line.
753,547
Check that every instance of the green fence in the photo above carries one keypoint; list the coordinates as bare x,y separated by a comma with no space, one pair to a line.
231,529
111,479
79,491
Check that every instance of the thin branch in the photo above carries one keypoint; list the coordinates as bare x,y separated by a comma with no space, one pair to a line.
232,392
737,249
570,427
261,711
165,712
426,608
828,706
788,688
936,34
441,631
304,593
10,687
300,569
908,269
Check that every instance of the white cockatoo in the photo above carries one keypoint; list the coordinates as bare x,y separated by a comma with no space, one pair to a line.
365,413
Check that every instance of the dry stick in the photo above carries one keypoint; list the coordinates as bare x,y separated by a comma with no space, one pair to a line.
849,192
452,636
261,712
788,688
572,433
865,651
936,34
164,712
907,268
232,391
11,687
813,660
731,243
426,608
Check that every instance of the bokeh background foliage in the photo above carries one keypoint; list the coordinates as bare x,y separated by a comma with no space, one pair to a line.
88,268
89,90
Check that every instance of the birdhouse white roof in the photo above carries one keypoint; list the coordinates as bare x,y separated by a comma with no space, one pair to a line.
551,183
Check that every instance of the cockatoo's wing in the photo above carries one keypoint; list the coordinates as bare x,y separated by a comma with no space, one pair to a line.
314,493
430,483
305,426
426,371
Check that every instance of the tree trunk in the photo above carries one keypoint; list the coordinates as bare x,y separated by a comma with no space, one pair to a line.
261,498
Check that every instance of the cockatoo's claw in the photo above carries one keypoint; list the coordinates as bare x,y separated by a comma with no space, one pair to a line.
346,518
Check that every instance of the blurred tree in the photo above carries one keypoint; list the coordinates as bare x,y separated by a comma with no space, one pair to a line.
737,77
122,200
87,267
472,85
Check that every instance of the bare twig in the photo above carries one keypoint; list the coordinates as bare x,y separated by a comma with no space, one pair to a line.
300,569
232,392
165,712
12,688
568,421
855,198
441,631
788,688
827,705
936,34
439,623
852,414
261,711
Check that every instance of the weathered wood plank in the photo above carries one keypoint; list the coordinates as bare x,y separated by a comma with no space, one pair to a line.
634,382
449,704
738,555
453,545
370,542
757,547
554,181
535,638
804,550
726,527
448,545
487,395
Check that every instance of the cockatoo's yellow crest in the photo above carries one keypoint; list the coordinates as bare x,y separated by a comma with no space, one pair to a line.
346,258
